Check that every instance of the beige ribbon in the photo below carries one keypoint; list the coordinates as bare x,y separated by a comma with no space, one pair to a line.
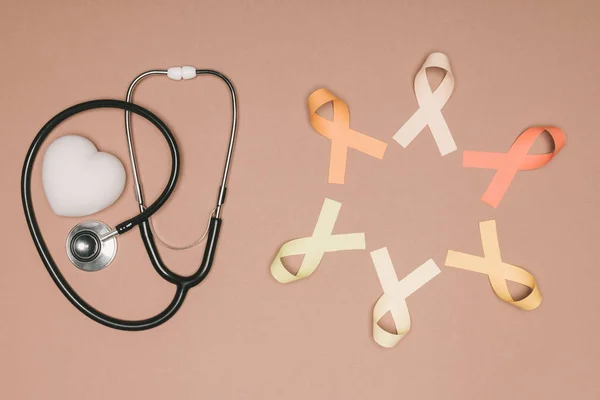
497,270
394,295
430,107
313,248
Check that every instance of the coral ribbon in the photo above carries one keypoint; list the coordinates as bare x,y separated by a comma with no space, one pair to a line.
517,158
497,270
313,248
342,137
394,295
430,107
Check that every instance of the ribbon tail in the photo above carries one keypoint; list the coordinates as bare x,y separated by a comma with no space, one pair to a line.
409,131
337,162
367,144
498,186
441,134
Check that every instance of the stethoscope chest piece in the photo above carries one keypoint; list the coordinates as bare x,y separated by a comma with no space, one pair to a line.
86,247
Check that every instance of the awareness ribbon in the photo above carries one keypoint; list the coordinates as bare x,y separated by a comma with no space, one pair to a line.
313,248
498,272
342,137
394,295
430,107
517,158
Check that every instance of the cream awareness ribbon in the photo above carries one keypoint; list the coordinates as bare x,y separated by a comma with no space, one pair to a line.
313,248
498,271
394,295
430,107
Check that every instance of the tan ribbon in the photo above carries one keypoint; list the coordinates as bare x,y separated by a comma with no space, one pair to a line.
313,248
394,295
497,270
430,107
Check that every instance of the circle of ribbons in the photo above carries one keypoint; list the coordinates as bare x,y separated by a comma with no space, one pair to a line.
395,292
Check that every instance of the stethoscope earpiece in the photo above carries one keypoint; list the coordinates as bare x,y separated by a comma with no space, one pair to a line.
87,247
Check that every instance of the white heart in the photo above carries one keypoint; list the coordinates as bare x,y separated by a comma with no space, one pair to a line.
78,179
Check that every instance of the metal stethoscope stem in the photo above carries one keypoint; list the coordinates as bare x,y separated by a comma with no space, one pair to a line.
132,155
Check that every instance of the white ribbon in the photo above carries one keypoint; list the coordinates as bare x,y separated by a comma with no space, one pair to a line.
430,107
394,295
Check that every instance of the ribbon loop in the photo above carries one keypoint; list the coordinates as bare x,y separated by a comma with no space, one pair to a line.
516,159
340,134
498,272
430,107
313,248
394,296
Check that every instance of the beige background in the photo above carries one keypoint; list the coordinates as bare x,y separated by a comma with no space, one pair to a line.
240,334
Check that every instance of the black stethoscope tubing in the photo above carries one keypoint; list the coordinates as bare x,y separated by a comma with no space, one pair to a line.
182,283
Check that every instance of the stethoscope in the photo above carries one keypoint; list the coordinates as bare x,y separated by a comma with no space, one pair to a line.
91,245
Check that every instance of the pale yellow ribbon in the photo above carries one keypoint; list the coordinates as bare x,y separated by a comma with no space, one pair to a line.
394,296
314,247
497,270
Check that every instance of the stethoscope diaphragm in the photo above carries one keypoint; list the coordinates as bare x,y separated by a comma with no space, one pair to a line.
86,248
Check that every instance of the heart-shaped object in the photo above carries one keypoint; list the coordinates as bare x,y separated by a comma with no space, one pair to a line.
78,179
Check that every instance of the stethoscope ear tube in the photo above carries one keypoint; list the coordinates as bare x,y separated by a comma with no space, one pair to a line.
172,181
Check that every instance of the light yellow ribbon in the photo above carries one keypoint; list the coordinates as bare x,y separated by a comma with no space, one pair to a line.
314,247
394,295
497,270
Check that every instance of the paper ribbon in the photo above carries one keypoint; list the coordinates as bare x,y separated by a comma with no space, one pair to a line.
342,137
497,271
517,158
394,295
430,107
313,248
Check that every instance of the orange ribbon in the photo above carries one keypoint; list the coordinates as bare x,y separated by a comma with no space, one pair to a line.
342,137
517,159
